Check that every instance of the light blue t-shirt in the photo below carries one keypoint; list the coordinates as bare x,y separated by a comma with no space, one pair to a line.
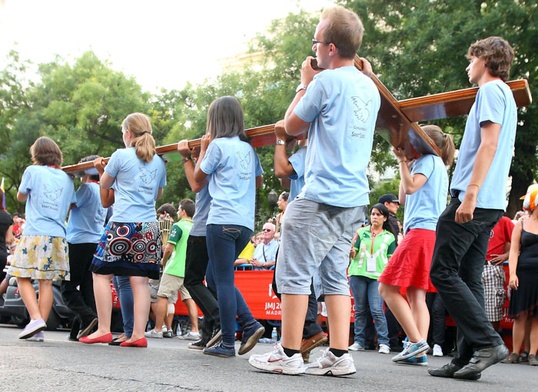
422,208
86,220
136,185
201,211
265,252
232,167
495,103
50,194
342,106
297,160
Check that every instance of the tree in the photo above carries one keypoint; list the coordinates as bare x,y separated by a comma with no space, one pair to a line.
418,47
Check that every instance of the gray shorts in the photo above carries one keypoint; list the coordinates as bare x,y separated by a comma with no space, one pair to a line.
316,237
493,278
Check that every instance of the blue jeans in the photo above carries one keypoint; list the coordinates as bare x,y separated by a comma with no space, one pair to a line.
365,290
224,243
125,293
456,272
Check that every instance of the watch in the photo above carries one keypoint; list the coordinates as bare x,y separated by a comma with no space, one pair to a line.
300,87
280,142
185,159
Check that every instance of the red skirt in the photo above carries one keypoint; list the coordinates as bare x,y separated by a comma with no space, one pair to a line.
410,264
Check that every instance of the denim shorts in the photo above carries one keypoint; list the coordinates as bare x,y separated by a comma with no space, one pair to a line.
316,237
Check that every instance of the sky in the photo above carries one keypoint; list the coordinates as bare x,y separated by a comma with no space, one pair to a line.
162,43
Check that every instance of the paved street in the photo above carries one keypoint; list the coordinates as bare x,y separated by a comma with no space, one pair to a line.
167,365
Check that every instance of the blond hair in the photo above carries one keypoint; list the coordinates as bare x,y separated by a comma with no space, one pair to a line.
344,29
139,124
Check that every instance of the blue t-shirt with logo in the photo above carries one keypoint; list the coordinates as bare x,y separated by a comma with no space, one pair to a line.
136,185
341,105
494,103
232,167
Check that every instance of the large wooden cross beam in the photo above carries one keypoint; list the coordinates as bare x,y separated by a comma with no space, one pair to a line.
397,120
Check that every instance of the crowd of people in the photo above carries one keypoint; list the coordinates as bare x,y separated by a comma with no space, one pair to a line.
324,241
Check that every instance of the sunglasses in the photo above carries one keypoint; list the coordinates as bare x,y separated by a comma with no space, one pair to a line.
266,230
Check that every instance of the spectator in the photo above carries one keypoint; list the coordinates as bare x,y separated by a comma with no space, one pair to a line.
18,225
173,276
6,235
281,203
265,253
393,204
371,252
523,264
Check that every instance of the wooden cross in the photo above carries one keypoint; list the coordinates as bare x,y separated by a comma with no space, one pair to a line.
396,120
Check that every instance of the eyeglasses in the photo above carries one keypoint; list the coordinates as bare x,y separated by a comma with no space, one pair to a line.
266,230
315,42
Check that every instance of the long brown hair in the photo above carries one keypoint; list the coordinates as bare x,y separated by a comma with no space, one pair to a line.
442,140
225,119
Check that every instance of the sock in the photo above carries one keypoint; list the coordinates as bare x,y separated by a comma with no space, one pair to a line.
289,352
338,353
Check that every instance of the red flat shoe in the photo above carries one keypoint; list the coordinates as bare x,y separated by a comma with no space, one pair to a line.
142,342
106,338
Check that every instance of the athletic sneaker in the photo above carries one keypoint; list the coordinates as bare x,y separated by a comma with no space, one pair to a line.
154,334
33,327
278,362
437,351
384,349
355,347
190,336
38,337
331,365
411,350
198,345
415,361
168,334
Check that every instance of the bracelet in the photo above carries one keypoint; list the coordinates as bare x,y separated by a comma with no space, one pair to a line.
402,160
185,159
474,184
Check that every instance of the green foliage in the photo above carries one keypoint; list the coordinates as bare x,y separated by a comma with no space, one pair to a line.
418,47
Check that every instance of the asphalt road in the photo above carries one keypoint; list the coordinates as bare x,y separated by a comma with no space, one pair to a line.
168,365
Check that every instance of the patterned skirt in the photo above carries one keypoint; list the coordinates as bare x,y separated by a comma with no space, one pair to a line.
129,249
40,257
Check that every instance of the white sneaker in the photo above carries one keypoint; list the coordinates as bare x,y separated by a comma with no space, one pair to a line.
190,336
278,362
154,334
38,337
331,365
437,351
384,349
355,347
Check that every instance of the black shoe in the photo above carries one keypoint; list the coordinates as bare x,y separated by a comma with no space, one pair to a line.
449,370
215,337
198,345
250,338
86,329
482,359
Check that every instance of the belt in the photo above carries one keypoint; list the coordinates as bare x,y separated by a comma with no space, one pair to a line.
454,193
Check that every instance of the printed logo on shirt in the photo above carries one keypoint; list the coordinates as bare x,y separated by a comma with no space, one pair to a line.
362,109
147,176
244,160
52,194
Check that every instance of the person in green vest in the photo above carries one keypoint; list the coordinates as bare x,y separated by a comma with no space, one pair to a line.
174,273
